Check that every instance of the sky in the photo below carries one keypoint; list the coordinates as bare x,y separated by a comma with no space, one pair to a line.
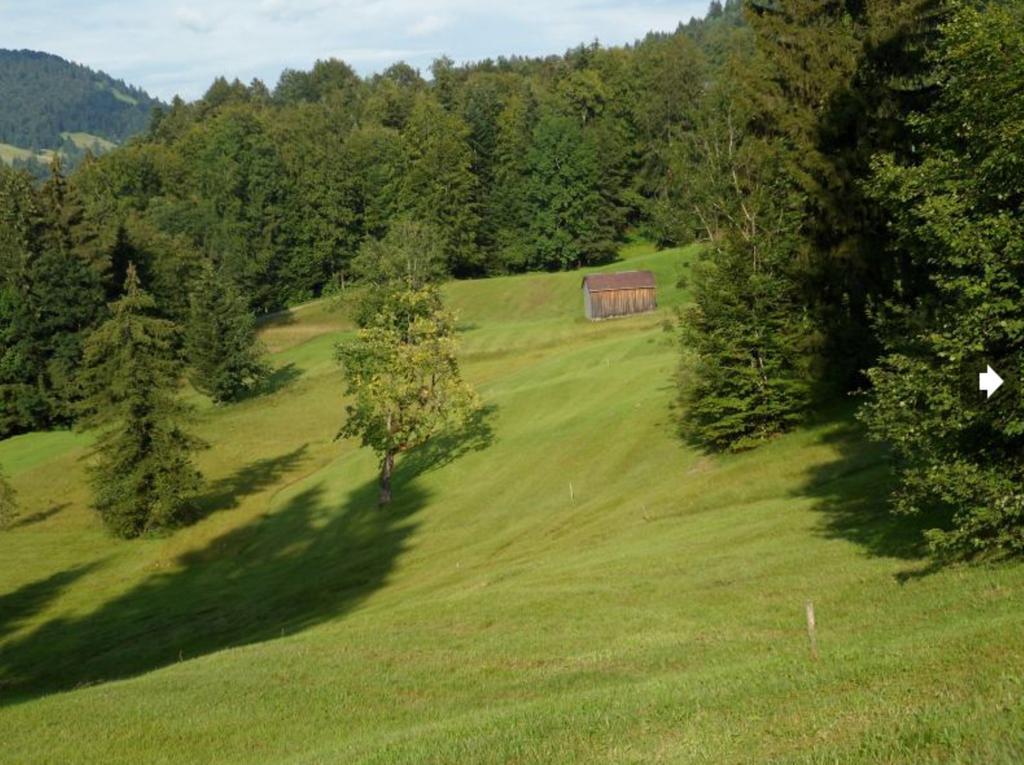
178,48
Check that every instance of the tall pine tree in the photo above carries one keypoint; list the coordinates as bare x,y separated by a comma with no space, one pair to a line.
957,215
439,187
143,478
51,297
224,354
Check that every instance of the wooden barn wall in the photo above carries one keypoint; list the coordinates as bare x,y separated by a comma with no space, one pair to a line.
621,302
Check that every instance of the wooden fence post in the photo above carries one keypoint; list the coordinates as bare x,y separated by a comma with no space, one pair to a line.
810,630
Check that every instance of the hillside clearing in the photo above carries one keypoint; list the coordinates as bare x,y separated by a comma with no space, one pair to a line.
655,615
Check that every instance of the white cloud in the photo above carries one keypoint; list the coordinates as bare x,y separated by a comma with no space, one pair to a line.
169,50
193,20
291,11
428,25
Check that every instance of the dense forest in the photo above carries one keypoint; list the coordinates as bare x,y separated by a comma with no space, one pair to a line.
853,169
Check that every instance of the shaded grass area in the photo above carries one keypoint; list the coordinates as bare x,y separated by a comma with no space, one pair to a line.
652,613
251,583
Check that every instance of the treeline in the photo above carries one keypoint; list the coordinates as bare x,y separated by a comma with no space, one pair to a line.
855,171
250,199
517,164
45,96
852,166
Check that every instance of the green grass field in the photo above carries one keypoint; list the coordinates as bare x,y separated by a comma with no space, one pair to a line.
94,143
9,153
656,614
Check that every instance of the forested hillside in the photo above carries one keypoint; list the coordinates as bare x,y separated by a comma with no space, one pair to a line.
847,167
309,452
47,102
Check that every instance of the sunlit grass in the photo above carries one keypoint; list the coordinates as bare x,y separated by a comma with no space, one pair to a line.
654,613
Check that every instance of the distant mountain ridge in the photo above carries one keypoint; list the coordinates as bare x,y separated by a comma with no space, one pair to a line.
50,104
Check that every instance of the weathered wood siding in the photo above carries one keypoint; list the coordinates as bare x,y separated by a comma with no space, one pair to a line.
608,303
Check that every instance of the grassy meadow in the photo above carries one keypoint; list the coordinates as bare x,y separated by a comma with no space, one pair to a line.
85,141
564,582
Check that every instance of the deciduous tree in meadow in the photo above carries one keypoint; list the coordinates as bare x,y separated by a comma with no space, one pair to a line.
403,376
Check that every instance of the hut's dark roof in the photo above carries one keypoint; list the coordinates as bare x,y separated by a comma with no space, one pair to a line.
626,280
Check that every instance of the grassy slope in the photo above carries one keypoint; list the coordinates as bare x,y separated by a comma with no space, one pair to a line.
94,143
9,153
487,617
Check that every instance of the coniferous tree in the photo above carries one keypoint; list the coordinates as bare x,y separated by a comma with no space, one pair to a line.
957,215
837,79
51,298
439,187
143,478
749,343
571,223
67,291
507,205
225,356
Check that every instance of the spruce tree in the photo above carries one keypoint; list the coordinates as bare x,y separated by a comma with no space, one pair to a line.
957,215
571,223
507,206
224,354
51,297
143,477
748,340
439,186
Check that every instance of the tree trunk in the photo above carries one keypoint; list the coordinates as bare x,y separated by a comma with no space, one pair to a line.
387,465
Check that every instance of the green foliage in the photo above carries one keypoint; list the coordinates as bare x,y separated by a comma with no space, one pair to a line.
508,208
439,186
51,296
410,255
240,178
45,97
957,214
403,376
8,502
571,223
224,354
143,478
748,342
330,79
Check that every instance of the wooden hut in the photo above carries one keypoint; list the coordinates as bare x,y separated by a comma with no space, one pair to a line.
622,294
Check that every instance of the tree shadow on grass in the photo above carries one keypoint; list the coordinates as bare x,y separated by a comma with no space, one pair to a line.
40,516
21,604
228,492
306,562
278,379
309,561
475,435
281,318
853,491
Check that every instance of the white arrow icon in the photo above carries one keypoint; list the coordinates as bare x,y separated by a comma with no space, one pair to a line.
989,381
